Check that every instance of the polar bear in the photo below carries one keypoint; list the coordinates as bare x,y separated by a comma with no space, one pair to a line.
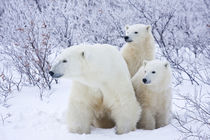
108,87
140,46
152,87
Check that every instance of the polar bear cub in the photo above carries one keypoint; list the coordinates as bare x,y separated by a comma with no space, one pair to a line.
139,46
152,86
104,72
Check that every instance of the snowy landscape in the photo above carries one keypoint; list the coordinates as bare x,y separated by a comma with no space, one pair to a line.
33,33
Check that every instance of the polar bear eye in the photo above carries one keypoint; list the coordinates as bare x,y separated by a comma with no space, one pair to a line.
64,61
153,72
145,71
135,32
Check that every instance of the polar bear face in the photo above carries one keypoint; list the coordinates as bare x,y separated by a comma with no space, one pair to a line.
136,33
69,63
156,73
89,64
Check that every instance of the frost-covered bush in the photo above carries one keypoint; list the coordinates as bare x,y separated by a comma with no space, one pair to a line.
8,84
192,118
26,43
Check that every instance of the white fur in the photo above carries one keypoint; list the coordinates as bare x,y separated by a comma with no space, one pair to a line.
140,46
101,85
154,95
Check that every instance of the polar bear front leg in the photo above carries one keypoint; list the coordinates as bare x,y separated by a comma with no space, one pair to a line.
162,119
147,120
126,117
79,117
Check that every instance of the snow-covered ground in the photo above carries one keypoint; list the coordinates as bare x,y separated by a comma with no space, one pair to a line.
29,118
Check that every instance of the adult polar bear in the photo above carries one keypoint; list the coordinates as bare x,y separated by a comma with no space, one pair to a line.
140,46
100,68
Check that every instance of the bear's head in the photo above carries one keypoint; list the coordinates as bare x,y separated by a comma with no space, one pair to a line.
69,63
156,73
88,64
137,33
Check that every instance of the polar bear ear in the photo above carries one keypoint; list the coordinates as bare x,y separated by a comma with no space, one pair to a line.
149,28
145,62
126,27
83,54
166,64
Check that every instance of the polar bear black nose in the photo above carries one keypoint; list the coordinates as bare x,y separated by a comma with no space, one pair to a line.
51,73
144,80
126,38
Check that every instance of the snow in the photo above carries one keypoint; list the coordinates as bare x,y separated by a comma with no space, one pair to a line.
31,118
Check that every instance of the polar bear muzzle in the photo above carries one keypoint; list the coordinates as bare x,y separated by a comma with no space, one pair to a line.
127,39
55,75
146,81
